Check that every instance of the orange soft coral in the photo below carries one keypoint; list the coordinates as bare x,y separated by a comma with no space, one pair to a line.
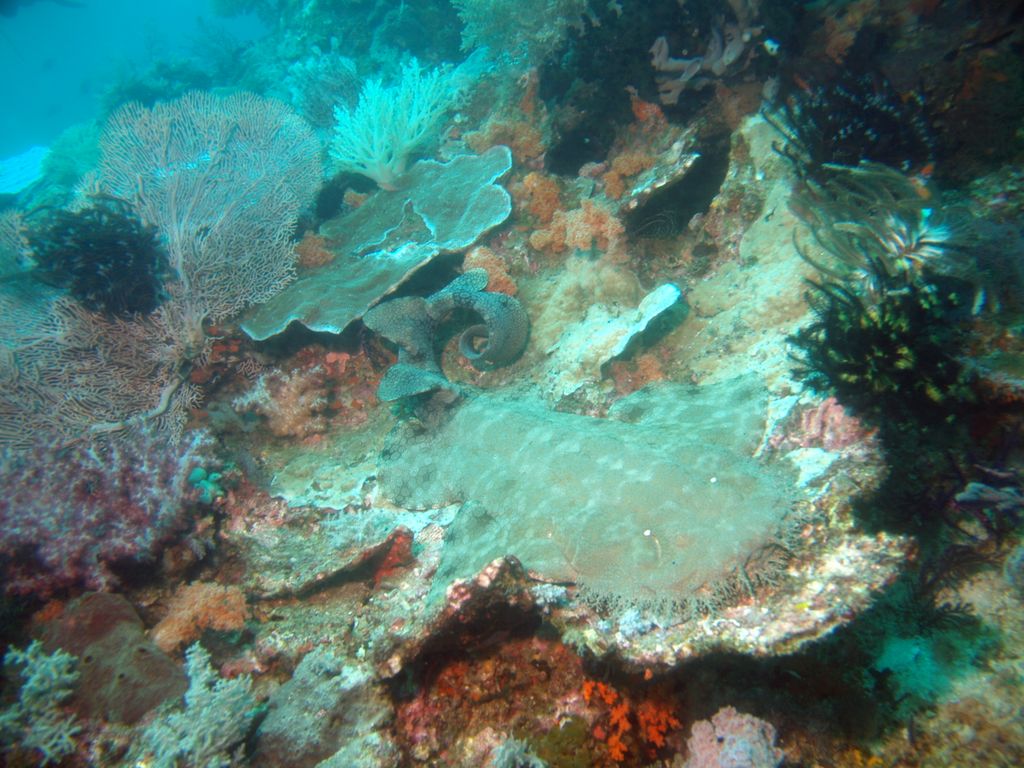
197,607
645,112
591,226
637,373
611,730
498,278
538,194
655,719
620,725
625,165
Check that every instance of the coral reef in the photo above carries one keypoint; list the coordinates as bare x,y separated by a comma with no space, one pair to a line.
733,739
226,230
723,50
292,404
319,82
329,709
585,348
527,31
377,135
380,244
196,607
122,675
217,716
599,403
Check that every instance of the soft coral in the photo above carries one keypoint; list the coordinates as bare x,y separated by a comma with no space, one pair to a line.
68,514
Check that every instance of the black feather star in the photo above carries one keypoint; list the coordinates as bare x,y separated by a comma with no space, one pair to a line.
108,259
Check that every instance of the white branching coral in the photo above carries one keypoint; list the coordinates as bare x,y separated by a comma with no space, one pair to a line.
217,716
376,136
37,721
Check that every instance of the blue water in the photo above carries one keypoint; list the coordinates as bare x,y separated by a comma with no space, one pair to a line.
56,61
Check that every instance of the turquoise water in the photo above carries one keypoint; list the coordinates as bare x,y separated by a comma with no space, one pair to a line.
59,59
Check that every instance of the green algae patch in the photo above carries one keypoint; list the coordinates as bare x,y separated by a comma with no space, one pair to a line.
662,504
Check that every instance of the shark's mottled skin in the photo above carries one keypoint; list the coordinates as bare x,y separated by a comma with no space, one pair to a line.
502,334
411,323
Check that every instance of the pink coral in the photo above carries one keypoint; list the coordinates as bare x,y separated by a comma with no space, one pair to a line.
826,425
831,426
732,740
68,514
